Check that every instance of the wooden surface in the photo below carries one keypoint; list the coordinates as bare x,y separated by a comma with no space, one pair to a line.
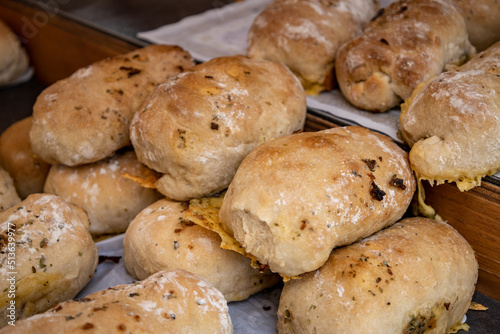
61,46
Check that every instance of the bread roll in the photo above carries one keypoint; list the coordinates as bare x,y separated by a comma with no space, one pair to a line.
110,199
295,198
482,18
167,302
197,127
161,237
16,156
55,256
86,117
14,60
487,61
8,193
410,42
417,276
305,35
452,124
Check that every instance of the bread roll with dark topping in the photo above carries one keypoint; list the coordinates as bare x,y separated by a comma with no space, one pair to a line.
86,117
167,302
417,276
295,198
410,42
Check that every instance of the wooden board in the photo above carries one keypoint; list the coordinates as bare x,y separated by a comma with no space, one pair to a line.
60,46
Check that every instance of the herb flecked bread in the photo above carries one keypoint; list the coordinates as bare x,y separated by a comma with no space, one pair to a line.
86,117
295,198
305,36
196,128
410,42
55,256
162,237
166,302
417,276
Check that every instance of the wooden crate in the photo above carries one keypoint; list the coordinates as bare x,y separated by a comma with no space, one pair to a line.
59,46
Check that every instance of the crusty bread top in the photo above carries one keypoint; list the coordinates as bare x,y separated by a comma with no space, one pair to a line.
8,193
295,198
418,272
166,302
487,61
85,117
305,35
197,127
408,43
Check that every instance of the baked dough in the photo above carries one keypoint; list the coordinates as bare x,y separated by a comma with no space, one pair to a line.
487,61
452,124
8,193
103,190
410,42
482,18
167,302
305,36
16,156
55,256
14,60
417,276
86,117
161,237
196,128
295,198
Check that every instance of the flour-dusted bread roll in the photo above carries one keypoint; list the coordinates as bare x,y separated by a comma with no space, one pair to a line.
86,117
55,256
452,124
16,156
8,193
417,276
196,128
161,237
482,18
487,61
295,198
166,302
305,35
410,42
104,190
14,60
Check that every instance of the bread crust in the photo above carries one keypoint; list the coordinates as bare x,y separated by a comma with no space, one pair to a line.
295,198
410,42
162,238
102,189
197,127
416,276
86,117
452,123
305,36
55,256
16,156
167,302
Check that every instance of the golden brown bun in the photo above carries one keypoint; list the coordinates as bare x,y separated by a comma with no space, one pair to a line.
55,256
452,123
197,127
13,58
295,198
482,18
110,199
85,117
409,43
8,193
305,35
167,302
418,275
17,157
161,237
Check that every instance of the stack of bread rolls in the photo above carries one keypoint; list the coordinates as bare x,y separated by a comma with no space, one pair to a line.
130,144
